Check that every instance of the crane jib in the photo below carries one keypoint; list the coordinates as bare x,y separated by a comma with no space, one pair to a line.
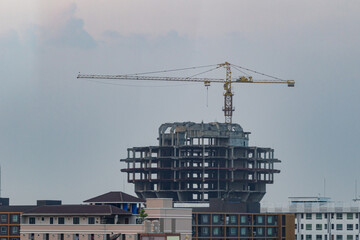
227,82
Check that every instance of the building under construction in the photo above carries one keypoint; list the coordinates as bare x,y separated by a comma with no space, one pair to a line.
195,162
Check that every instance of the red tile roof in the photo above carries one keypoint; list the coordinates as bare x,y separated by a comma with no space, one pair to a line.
77,210
114,197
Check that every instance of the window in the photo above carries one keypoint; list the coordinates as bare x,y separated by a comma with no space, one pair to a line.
302,226
216,219
339,216
216,231
243,219
339,227
76,220
318,216
339,237
308,227
308,216
270,231
318,237
204,231
260,220
325,226
270,220
349,237
14,230
3,230
4,218
349,227
308,237
32,220
61,220
91,220
349,216
233,231
318,226
357,226
243,231
260,231
51,220
233,219
15,218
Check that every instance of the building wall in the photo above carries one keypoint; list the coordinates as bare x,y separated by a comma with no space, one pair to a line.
9,226
321,219
78,232
171,220
242,226
327,226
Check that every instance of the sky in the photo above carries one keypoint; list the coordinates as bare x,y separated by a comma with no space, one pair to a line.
62,137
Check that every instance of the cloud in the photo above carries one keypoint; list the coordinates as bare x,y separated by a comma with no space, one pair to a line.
73,35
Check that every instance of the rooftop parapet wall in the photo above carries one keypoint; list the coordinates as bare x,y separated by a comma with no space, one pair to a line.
190,133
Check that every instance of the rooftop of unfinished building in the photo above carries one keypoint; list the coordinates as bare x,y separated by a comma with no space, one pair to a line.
212,127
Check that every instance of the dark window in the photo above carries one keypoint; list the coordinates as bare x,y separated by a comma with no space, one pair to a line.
270,220
51,220
61,220
216,219
259,231
308,216
216,231
339,227
243,231
4,218
270,231
349,227
76,220
14,218
14,230
204,219
233,219
32,220
61,236
204,231
4,230
232,231
47,236
91,220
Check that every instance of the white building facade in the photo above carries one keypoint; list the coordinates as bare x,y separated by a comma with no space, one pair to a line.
318,218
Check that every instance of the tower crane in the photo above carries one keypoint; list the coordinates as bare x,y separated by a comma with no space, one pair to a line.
228,94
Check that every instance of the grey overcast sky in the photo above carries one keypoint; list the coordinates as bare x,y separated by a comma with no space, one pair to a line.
62,138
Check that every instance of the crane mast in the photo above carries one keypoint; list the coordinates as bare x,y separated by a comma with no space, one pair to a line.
228,94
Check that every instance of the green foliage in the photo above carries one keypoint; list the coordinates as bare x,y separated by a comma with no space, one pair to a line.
142,214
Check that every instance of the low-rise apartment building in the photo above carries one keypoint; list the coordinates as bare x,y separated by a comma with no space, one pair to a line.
106,222
318,218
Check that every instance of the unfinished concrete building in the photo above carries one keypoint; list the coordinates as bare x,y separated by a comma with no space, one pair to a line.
198,161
